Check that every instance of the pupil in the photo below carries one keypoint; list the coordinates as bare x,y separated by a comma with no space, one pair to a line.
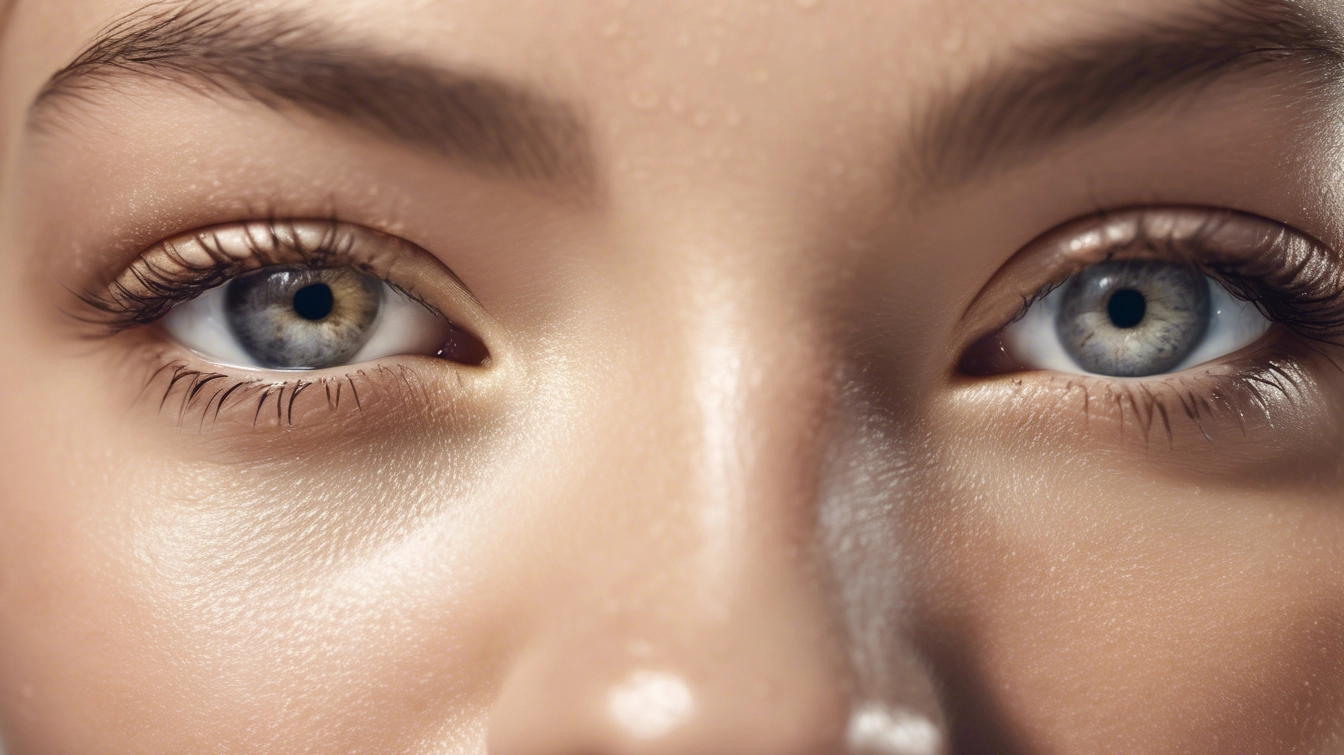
1126,308
313,302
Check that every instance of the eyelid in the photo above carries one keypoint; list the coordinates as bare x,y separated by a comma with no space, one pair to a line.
185,266
1255,258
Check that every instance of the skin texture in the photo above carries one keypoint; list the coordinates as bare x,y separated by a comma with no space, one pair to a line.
720,487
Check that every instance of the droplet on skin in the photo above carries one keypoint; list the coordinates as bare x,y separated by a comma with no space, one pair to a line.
645,100
953,42
676,101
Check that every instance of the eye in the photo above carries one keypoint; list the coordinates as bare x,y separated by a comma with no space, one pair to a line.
1133,318
302,318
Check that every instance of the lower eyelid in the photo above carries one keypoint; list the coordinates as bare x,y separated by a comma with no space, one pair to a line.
1274,406
173,386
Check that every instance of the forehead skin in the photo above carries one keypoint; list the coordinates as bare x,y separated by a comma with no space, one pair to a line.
676,481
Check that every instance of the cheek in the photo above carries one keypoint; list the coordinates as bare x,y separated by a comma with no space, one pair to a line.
206,605
1095,610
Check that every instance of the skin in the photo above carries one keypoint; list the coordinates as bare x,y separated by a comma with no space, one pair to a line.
721,463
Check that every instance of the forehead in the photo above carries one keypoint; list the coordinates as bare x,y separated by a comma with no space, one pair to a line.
664,85
639,51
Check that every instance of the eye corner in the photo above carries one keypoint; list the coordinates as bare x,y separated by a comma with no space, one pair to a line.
987,357
464,348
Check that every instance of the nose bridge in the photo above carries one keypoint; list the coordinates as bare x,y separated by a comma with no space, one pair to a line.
724,635
705,626
760,399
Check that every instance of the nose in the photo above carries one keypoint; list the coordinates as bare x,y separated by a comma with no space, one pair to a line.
706,620
743,683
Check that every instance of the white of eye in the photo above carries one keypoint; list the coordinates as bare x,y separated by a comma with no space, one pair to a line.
1034,341
403,326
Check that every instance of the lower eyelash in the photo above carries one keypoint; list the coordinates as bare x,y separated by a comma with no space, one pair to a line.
1212,402
197,398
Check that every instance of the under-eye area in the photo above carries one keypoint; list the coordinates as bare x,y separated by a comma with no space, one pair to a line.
194,396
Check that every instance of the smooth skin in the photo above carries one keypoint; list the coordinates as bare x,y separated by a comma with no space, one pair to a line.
721,487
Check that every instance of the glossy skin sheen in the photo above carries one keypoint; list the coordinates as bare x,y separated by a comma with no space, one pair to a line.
720,486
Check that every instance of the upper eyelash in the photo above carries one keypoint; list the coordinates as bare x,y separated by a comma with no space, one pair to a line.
120,307
1307,298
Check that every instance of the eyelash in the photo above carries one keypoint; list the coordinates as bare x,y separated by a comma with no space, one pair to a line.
120,307
1308,301
189,384
1295,281
1298,287
148,290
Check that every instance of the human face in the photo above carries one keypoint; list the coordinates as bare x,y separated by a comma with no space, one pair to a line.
704,427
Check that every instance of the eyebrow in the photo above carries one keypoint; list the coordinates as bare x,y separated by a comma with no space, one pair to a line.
1009,114
285,61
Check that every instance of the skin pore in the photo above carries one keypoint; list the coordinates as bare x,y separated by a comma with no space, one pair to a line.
722,455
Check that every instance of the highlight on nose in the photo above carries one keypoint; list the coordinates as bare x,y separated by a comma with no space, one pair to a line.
650,704
876,729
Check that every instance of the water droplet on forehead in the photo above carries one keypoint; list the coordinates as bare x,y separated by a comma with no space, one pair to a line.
645,100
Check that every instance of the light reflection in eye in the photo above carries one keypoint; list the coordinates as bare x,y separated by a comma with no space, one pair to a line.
298,318
1133,319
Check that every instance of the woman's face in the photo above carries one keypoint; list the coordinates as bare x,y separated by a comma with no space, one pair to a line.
611,376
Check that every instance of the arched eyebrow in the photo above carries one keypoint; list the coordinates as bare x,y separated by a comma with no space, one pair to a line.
285,60
1041,96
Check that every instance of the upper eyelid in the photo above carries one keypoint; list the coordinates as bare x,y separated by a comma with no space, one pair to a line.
1230,245
181,267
